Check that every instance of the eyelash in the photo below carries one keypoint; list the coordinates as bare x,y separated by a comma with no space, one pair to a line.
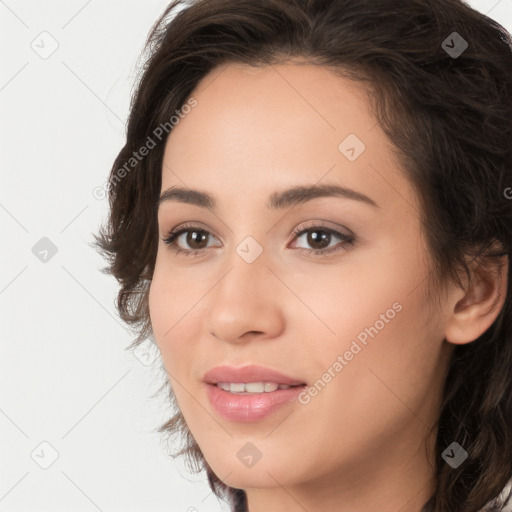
346,240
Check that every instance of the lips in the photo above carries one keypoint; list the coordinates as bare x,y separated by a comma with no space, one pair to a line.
248,408
249,373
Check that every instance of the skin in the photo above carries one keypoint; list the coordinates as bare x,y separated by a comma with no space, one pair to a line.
359,444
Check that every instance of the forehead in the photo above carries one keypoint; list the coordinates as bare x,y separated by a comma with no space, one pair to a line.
285,103
264,128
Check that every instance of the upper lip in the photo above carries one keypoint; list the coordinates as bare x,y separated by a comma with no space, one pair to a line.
248,373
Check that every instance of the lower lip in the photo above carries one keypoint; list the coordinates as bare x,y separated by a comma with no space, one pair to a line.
247,408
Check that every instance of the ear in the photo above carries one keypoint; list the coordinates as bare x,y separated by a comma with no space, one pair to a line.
471,313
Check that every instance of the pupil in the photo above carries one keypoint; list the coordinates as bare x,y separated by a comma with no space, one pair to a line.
194,236
313,239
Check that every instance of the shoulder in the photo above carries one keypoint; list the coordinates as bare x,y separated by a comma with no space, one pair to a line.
502,502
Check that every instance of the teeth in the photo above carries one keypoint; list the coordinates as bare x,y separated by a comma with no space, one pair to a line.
255,387
251,387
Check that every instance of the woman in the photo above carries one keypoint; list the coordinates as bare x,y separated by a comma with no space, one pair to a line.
312,218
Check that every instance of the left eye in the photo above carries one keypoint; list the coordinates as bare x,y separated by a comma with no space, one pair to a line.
319,238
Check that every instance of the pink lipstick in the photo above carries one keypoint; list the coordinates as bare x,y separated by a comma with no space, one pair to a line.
249,393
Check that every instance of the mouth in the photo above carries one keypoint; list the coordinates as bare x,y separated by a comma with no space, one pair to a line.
253,388
251,401
250,393
250,379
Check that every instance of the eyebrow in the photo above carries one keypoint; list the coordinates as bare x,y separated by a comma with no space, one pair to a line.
277,200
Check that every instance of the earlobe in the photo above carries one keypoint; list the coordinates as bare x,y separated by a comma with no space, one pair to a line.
473,313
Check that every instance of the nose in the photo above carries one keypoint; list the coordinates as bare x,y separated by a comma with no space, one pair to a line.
246,303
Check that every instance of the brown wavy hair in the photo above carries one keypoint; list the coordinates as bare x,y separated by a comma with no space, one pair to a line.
450,121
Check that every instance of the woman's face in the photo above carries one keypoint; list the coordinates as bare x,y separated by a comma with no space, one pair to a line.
351,318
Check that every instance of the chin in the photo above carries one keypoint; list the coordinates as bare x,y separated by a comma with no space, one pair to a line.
252,479
262,474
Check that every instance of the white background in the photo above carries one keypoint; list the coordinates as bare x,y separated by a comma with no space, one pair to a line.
65,376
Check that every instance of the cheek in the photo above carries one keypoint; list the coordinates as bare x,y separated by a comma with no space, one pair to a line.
170,297
376,317
177,314
367,300
388,378
158,301
168,305
391,370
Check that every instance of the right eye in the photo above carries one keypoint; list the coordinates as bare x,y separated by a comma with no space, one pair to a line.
191,235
